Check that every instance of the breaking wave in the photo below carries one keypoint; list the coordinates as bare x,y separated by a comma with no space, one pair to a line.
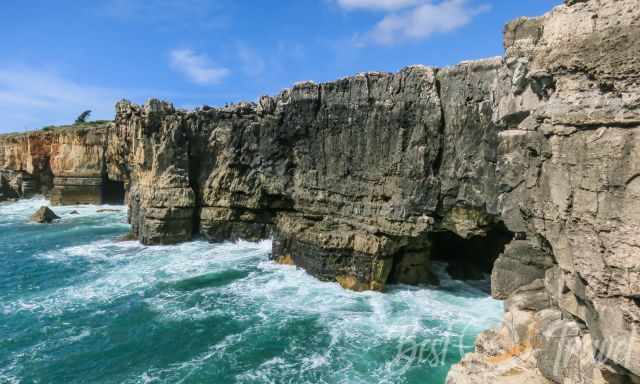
80,306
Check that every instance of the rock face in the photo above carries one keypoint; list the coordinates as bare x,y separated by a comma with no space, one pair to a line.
352,178
77,163
525,166
66,163
568,168
44,215
11,184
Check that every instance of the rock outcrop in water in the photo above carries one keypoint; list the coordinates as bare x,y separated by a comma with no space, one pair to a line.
44,215
526,165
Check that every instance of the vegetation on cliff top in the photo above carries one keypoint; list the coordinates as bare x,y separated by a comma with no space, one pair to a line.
79,125
60,128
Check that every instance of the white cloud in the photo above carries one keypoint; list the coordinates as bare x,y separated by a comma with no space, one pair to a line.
196,67
32,98
377,4
413,19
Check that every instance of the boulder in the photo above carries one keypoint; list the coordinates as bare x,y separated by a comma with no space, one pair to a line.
521,264
44,215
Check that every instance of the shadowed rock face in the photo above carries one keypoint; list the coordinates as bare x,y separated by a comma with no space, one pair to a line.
530,160
351,178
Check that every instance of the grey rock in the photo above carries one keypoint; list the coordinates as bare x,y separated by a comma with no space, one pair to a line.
521,264
44,215
532,297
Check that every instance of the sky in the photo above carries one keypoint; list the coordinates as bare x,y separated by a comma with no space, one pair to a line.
59,58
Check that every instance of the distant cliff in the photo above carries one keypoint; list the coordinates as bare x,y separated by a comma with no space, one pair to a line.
525,166
66,163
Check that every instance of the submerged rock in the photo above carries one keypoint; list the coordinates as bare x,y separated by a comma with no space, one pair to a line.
44,215
128,237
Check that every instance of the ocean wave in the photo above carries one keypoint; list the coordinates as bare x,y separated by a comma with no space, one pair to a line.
356,325
21,210
311,331
125,268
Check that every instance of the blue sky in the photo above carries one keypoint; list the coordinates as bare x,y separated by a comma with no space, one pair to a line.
61,57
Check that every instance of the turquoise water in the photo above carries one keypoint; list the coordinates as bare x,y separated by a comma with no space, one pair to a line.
78,307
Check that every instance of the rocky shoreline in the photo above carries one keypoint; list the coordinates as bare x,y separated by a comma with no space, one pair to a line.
526,166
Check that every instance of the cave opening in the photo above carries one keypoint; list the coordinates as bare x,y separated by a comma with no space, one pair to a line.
471,258
113,192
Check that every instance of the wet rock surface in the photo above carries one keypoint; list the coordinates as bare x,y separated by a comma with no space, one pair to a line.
44,215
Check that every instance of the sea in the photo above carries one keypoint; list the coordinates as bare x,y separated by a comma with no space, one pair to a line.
78,305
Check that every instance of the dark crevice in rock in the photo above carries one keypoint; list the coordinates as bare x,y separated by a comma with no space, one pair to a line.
411,265
113,192
546,246
573,2
437,163
44,182
513,120
603,124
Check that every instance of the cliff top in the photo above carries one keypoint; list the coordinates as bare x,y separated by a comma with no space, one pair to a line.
59,129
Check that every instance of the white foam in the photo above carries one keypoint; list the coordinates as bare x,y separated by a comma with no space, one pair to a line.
24,208
123,268
355,322
21,208
263,295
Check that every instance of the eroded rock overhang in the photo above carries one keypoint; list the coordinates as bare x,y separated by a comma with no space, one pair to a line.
352,178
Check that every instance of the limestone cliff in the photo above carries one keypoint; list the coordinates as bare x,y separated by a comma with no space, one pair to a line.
525,166
66,163
354,179
568,171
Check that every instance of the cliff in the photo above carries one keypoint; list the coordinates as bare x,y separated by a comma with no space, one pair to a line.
66,163
569,171
525,166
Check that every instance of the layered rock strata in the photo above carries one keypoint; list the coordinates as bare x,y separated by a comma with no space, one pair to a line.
526,166
568,165
65,163
352,178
